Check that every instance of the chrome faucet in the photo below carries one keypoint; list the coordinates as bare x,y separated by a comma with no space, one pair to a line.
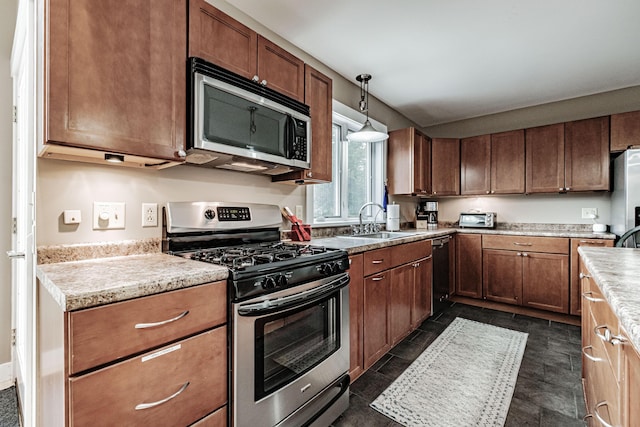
371,227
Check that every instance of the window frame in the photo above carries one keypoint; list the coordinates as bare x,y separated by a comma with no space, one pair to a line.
352,119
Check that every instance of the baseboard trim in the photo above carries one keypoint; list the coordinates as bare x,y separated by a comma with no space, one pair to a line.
6,376
526,311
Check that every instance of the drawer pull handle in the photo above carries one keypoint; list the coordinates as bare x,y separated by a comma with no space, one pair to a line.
522,244
596,413
377,279
592,243
164,322
141,406
377,261
588,356
586,295
608,336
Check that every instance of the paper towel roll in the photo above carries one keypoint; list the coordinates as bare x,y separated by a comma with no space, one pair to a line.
393,217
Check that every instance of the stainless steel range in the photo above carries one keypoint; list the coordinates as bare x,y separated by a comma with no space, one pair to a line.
288,312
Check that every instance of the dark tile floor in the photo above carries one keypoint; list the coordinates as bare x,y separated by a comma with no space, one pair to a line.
548,391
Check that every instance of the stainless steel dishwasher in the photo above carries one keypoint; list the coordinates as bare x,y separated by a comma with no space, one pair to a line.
440,292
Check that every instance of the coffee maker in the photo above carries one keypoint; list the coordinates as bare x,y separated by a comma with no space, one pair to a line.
427,215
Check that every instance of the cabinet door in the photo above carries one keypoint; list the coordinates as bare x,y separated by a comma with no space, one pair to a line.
400,302
218,38
469,265
356,305
318,96
281,70
545,281
409,162
475,160
587,154
421,309
502,276
445,166
625,131
507,162
377,340
116,76
545,159
575,297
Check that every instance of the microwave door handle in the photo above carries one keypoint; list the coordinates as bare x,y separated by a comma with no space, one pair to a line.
289,135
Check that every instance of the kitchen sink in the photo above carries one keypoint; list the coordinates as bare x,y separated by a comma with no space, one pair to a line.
382,235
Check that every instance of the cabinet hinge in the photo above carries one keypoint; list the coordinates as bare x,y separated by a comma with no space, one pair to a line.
13,337
14,225
15,114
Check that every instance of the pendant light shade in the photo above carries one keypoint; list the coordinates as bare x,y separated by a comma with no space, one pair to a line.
368,133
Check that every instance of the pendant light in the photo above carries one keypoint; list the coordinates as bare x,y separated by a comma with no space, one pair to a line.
368,133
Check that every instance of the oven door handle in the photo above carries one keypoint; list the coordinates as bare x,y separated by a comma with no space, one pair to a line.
305,297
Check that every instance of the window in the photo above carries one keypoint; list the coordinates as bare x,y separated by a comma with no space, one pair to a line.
358,175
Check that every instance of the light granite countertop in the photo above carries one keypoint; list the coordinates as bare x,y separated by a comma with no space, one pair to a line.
617,272
354,245
82,284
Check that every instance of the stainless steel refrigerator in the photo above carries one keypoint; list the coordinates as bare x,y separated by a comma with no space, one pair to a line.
625,199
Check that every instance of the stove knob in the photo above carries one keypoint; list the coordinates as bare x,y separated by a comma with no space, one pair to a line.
269,283
341,266
281,281
327,269
209,214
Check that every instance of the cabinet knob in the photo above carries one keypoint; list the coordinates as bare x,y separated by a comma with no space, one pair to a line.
584,276
525,254
256,78
567,188
181,153
488,192
309,174
263,82
493,191
560,189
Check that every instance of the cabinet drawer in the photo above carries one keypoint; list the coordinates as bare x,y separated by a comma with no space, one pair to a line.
107,333
409,252
190,376
377,260
556,245
604,320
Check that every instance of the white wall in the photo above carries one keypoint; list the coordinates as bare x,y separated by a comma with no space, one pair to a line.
8,10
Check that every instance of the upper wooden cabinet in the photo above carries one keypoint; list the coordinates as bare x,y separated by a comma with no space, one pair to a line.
318,96
507,162
475,160
586,154
492,164
116,77
409,162
625,130
220,39
573,156
545,158
445,166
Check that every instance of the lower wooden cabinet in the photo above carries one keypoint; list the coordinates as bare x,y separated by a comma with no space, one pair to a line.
575,298
396,296
155,360
468,274
356,321
174,385
630,383
377,339
528,271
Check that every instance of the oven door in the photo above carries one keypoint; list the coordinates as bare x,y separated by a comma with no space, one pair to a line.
289,348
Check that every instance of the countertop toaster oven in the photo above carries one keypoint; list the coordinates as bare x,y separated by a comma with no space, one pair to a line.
477,219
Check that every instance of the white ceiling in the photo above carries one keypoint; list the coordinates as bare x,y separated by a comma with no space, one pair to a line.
438,61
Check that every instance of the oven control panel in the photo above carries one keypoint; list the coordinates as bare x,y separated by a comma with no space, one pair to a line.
227,213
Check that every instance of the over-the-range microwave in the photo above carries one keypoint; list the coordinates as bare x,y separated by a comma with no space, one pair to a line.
239,124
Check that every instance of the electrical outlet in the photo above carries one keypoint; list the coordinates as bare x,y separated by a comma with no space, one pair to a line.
589,213
149,214
108,215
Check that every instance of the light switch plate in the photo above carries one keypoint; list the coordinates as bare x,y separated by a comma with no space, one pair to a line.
108,215
589,213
